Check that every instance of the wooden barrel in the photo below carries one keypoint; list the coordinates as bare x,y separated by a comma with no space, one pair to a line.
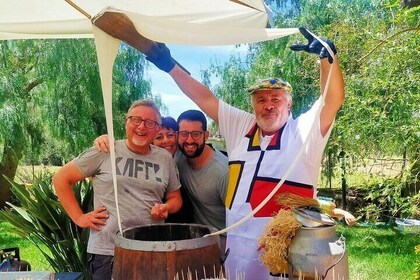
167,251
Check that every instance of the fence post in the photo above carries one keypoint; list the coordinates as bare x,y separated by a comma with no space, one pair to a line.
341,157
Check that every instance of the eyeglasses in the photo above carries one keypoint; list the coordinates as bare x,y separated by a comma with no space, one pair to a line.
183,135
147,123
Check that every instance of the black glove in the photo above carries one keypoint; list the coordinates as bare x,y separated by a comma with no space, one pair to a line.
314,46
160,56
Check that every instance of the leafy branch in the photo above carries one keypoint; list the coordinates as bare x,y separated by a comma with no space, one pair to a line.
388,40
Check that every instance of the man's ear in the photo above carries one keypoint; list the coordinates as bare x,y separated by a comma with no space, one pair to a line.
127,122
206,135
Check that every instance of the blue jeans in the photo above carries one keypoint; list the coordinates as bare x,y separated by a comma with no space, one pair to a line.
100,266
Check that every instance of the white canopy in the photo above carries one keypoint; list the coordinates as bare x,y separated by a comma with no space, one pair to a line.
187,22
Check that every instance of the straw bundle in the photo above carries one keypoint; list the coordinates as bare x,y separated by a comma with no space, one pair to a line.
290,200
276,239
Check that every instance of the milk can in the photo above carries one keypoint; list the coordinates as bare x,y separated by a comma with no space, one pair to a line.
317,253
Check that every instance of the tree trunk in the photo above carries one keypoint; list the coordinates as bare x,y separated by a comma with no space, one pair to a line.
8,167
414,187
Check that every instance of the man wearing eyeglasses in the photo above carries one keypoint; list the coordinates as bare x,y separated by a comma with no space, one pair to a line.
146,174
203,171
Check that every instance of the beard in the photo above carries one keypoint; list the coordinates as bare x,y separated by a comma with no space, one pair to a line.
271,126
192,154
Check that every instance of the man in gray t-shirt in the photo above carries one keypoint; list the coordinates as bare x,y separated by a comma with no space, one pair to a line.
203,171
146,175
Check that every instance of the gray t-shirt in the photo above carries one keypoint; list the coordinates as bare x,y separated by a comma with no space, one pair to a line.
142,181
207,188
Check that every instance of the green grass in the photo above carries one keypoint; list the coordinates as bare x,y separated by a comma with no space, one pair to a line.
374,253
380,253
28,251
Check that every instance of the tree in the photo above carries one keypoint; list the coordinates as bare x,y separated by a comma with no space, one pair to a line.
51,91
20,120
380,115
378,46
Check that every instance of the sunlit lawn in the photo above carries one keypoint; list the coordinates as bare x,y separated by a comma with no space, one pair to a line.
380,253
374,253
27,250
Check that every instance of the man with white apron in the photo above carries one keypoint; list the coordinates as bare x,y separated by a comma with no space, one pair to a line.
262,145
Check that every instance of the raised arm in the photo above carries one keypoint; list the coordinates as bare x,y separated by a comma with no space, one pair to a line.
196,91
335,94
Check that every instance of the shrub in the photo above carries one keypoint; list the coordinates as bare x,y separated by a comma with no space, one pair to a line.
41,219
387,199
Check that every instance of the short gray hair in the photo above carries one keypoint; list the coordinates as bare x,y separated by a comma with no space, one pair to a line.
147,103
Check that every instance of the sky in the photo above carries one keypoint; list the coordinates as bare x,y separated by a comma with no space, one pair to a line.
194,59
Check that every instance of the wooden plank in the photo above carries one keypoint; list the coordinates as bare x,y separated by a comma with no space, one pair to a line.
119,26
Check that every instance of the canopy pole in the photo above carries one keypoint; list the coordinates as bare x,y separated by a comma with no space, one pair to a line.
79,9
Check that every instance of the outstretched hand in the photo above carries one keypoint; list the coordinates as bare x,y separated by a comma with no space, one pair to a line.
161,57
314,46
350,219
